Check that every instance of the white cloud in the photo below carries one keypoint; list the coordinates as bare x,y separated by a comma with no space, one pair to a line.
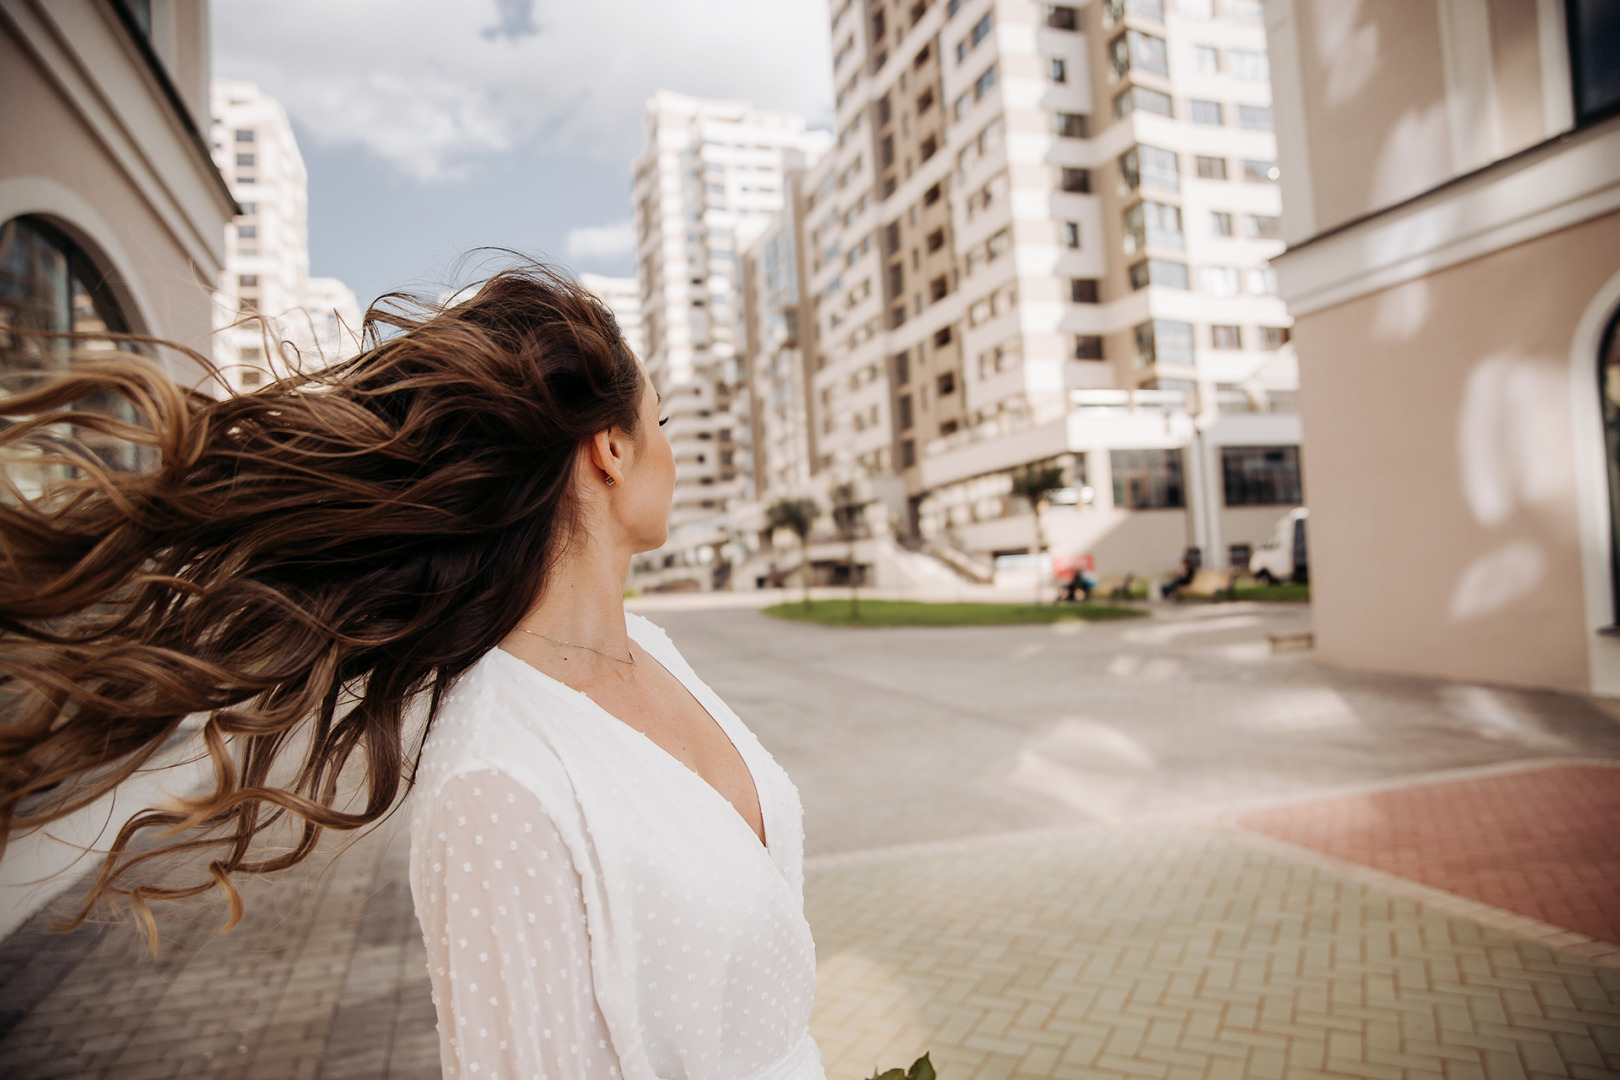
602,241
434,89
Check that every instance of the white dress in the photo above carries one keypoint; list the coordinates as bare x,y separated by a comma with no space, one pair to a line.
594,908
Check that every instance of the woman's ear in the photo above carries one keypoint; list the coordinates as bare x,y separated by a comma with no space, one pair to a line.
609,455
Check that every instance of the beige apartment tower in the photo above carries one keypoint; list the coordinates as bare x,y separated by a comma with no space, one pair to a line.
708,182
1451,182
1042,237
272,315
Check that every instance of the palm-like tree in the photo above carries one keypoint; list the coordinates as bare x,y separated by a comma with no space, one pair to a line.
848,508
799,515
1036,482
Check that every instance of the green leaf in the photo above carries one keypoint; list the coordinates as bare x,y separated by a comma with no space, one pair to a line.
921,1069
892,1074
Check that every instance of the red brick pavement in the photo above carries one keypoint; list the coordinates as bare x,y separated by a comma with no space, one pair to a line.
1543,843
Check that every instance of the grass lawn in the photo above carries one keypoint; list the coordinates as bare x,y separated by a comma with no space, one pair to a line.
922,613
1280,591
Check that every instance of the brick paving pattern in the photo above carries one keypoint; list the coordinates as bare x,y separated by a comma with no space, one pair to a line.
1540,842
1157,952
325,977
1115,942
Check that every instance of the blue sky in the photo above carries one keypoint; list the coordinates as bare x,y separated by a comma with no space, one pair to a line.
431,128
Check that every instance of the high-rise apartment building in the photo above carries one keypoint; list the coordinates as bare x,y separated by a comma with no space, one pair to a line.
775,343
707,183
267,248
1042,237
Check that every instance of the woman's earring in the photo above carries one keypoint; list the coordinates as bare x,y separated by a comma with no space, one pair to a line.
608,478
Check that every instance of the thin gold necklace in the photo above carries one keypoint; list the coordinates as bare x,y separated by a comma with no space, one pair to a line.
577,645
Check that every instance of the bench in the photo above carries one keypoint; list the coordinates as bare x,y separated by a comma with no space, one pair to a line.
1209,585
1115,586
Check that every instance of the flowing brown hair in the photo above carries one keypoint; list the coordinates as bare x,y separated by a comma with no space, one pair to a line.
301,564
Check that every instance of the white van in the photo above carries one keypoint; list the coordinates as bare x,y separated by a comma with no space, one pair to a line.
1284,556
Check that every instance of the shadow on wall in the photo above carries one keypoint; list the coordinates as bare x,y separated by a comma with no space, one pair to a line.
1513,459
1384,98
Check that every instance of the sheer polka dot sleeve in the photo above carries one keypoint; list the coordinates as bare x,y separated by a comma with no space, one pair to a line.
502,913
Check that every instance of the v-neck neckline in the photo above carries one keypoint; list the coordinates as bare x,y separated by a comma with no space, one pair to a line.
636,735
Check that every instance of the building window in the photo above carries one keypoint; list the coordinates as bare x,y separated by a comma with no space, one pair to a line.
980,31
1153,224
1134,49
948,427
1206,112
1206,59
1088,347
1259,171
244,161
903,412
1147,479
1114,10
945,385
1248,65
936,240
1225,337
247,281
247,232
1220,223
1158,272
1220,281
1076,180
1608,375
244,135
1150,165
1084,290
942,337
1141,98
1062,17
1257,117
48,284
937,289
1211,168
1071,125
908,453
1261,475
1262,280
1164,341
1594,43
1071,234
1264,227
1058,69
984,83
952,8
1274,337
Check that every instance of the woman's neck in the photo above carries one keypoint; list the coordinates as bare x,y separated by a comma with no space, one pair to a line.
584,599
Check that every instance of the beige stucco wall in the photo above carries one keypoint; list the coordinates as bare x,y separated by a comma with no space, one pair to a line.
1374,102
1440,467
55,165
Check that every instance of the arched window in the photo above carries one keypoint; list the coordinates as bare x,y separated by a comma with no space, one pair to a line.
1609,395
50,285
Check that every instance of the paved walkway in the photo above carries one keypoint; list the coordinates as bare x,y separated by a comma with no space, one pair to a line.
1544,842
1149,951
1145,850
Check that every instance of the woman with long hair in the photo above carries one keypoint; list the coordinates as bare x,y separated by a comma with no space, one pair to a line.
407,569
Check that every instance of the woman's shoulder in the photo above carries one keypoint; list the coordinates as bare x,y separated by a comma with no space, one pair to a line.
489,719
